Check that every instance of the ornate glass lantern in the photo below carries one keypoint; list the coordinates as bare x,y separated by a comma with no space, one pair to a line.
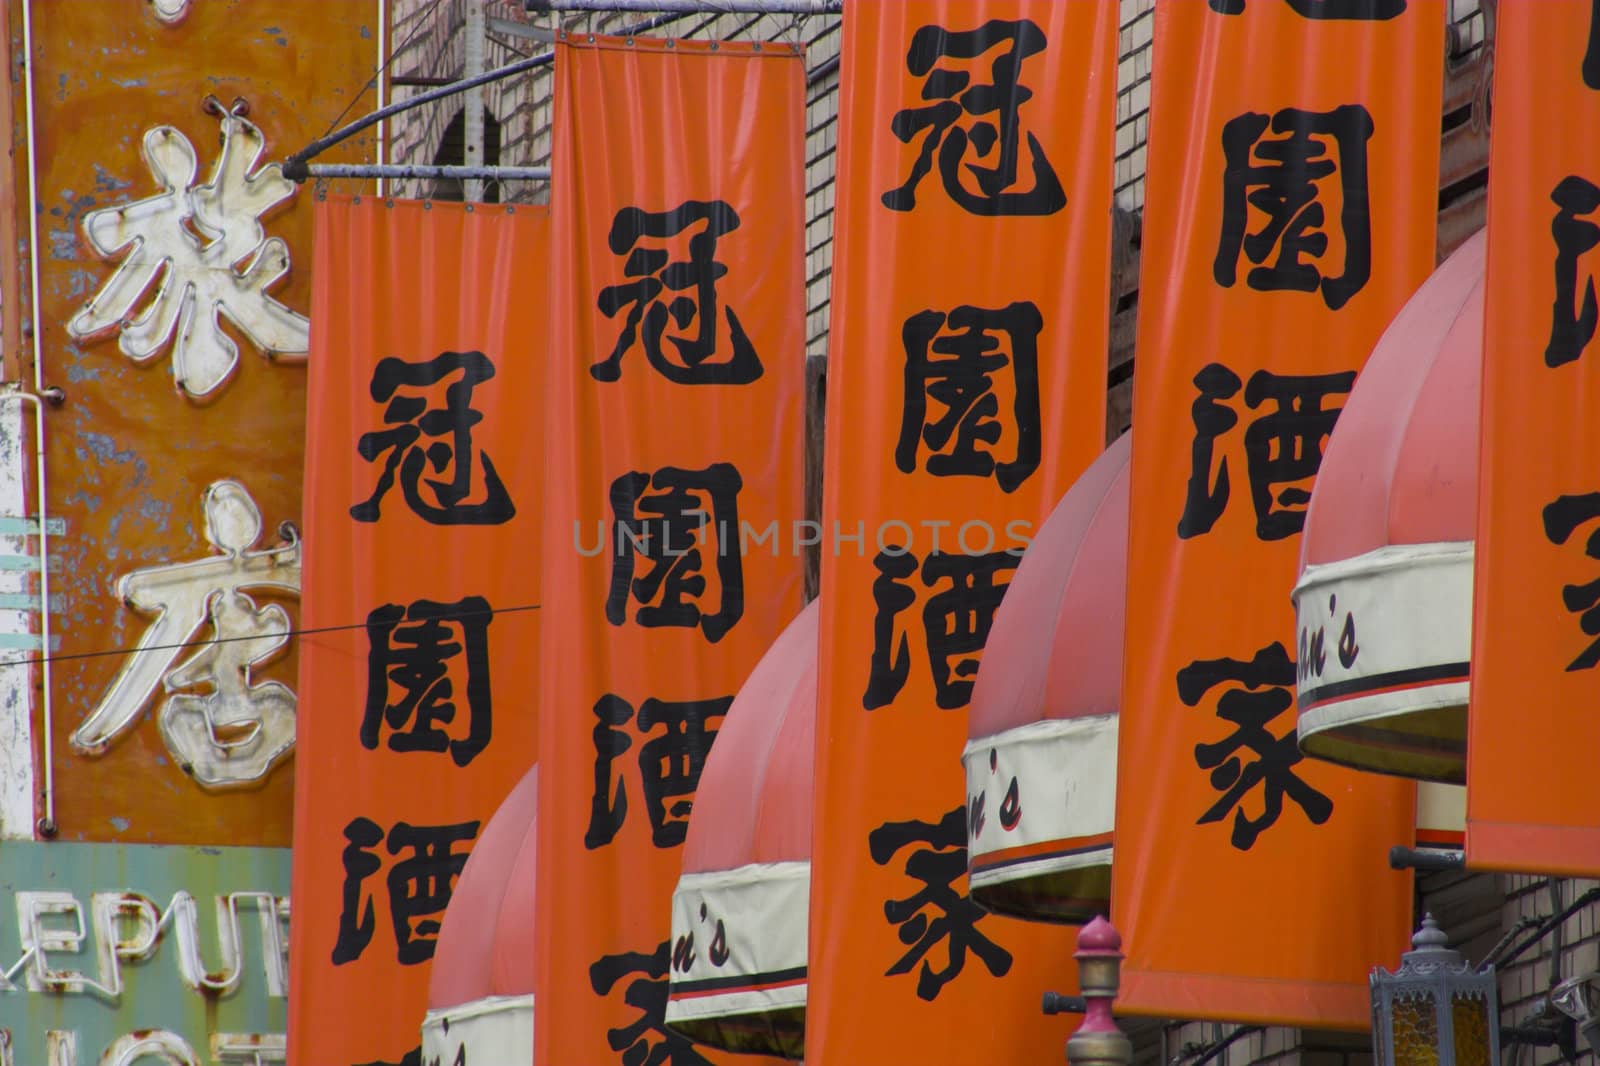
1435,1010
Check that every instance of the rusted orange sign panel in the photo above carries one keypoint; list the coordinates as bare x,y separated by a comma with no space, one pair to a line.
675,390
966,392
1294,158
173,266
1533,799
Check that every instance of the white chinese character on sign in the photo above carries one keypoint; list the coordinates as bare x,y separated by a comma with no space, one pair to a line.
219,726
171,11
206,246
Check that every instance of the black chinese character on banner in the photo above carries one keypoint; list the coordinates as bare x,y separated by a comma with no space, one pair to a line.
955,619
680,293
954,359
414,1058
669,527
1260,690
419,885
646,1041
1328,10
1572,326
1280,181
985,117
1561,519
669,764
443,500
356,921
1591,54
1282,446
936,913
411,650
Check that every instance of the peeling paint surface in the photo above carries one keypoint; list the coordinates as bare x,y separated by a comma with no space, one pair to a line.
130,452
16,697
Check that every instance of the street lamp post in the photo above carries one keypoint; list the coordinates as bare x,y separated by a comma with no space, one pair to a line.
1098,1041
1435,1010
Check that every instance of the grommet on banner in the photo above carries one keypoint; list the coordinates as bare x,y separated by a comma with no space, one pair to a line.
357,200
427,205
389,202
671,43
468,207
628,41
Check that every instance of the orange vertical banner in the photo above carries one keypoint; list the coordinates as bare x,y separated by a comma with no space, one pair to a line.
1533,799
1291,197
418,704
966,391
675,486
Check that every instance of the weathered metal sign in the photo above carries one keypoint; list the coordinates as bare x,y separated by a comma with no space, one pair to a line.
114,954
170,305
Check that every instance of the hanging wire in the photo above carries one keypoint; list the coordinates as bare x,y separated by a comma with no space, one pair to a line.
448,617
423,18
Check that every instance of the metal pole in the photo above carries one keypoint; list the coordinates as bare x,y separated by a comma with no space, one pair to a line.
1098,1041
383,83
708,7
295,166
472,113
407,172
46,825
1404,858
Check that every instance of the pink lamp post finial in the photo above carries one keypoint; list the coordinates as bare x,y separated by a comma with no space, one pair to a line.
1098,1041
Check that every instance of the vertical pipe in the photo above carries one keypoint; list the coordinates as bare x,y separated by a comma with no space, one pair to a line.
472,117
33,197
47,821
383,86
1554,885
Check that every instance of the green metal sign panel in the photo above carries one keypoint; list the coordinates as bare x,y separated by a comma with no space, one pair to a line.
129,955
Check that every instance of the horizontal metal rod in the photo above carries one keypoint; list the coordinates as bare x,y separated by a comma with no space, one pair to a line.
295,166
425,80
708,7
521,29
401,172
1425,859
1056,1003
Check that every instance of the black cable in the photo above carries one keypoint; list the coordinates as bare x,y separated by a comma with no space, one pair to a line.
1554,920
453,617
422,20
1202,1055
1522,924
294,166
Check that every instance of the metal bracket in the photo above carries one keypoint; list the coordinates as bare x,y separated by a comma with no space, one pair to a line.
401,172
694,7
1425,859
521,29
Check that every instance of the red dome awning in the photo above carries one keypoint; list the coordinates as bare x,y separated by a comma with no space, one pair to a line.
1384,598
1041,762
739,913
480,994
